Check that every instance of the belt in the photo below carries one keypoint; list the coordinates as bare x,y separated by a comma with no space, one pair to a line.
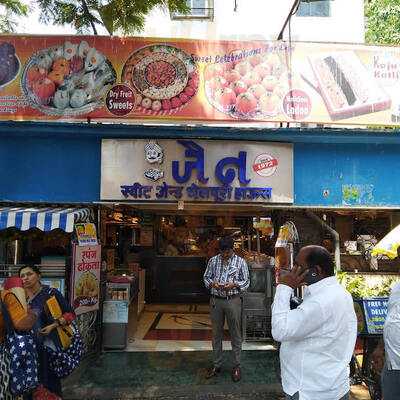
226,297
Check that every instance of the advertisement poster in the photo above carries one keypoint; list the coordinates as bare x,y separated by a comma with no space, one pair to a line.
196,171
371,314
86,234
110,78
115,312
86,278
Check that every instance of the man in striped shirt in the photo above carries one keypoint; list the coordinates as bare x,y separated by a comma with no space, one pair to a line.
227,277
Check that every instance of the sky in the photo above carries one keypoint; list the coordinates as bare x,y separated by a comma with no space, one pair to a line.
31,24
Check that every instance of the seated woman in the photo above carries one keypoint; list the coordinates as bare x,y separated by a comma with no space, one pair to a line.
46,325
22,320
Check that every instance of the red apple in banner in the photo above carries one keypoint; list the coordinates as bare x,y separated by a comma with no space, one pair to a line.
226,97
34,74
257,90
239,87
44,89
232,76
246,103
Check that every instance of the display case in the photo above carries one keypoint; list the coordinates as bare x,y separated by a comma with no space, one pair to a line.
116,315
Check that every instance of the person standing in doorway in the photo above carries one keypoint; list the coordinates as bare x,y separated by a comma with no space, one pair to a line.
318,337
227,277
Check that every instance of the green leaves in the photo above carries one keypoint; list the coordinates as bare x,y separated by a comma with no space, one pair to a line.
9,9
358,287
382,21
116,16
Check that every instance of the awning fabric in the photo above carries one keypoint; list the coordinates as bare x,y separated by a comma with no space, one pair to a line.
45,219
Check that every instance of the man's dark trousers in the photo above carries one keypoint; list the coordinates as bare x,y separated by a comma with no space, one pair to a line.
231,309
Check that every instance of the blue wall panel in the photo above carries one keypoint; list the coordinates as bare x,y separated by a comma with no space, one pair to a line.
56,162
49,169
347,174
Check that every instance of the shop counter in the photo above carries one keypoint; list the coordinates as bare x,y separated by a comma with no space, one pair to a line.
178,280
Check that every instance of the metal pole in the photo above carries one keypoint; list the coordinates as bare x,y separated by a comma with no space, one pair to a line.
334,234
290,15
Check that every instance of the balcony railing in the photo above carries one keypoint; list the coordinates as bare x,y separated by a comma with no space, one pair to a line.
195,13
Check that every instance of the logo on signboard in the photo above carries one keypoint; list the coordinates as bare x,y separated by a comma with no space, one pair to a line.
154,174
265,165
153,152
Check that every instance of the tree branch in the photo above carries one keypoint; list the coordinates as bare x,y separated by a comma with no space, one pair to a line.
87,12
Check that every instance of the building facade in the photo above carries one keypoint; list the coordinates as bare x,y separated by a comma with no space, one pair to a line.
324,21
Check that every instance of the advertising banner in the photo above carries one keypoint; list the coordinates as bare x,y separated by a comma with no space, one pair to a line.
109,79
196,171
86,278
86,234
371,314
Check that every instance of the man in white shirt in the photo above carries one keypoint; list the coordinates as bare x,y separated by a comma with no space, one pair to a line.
391,337
318,337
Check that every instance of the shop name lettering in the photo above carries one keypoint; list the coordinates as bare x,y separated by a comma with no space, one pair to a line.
195,192
226,171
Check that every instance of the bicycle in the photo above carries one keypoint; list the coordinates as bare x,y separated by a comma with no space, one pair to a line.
367,372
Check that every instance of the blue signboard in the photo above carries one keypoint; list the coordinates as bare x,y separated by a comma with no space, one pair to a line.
371,314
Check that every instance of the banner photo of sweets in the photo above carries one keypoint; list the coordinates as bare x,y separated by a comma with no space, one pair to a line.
109,78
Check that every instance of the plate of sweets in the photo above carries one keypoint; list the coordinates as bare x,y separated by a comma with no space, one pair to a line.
67,80
164,78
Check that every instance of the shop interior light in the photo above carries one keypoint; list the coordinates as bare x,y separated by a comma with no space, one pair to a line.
292,12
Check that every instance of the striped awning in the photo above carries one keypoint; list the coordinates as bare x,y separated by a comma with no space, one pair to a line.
45,219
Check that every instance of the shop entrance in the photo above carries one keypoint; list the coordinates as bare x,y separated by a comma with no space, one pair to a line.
168,252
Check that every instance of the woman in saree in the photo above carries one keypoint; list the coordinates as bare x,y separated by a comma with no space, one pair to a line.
46,325
22,320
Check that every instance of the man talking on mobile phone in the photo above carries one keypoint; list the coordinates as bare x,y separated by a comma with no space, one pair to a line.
227,277
318,337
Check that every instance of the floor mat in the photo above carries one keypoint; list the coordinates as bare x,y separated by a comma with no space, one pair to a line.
181,326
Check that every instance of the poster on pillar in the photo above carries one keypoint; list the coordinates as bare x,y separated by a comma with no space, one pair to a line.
196,171
85,278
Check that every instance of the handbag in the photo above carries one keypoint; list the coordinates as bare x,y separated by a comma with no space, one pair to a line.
23,357
63,361
65,333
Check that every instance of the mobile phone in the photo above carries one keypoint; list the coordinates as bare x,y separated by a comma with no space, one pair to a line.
312,276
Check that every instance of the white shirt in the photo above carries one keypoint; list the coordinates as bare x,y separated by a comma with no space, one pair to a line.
391,329
317,338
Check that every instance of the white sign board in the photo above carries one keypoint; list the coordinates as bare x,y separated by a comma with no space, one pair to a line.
86,278
197,171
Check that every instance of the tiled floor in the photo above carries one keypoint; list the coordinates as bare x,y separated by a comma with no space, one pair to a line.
177,328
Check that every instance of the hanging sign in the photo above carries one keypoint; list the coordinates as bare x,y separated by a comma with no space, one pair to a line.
86,234
112,78
86,278
196,171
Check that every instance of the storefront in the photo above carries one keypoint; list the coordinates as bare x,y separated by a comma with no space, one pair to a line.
197,160
340,176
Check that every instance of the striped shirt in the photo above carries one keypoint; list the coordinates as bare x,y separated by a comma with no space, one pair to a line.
233,270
